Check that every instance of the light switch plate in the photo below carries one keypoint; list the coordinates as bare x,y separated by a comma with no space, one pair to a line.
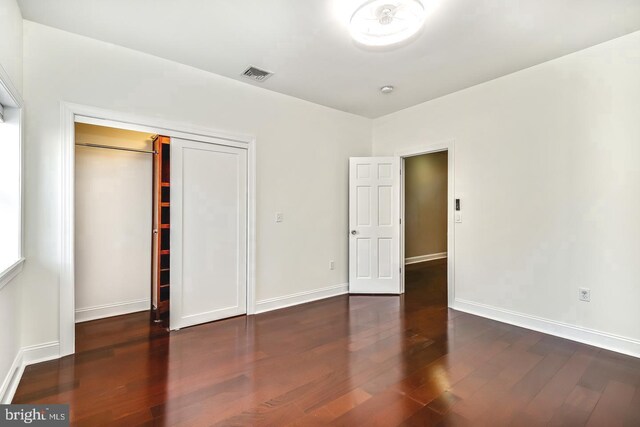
279,217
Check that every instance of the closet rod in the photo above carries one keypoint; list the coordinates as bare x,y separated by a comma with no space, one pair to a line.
110,147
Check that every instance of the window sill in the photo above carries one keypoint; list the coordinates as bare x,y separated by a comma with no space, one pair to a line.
11,272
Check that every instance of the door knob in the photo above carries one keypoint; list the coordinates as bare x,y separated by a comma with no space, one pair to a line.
354,232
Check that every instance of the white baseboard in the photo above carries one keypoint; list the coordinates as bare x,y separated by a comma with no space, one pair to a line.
109,310
423,258
40,353
10,383
26,356
592,337
301,298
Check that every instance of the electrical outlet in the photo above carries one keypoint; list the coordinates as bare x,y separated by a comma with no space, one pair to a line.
332,265
279,217
584,294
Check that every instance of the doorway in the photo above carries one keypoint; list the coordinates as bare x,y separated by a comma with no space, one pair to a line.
425,208
431,253
377,222
126,182
235,152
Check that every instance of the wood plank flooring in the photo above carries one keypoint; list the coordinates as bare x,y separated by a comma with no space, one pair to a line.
343,361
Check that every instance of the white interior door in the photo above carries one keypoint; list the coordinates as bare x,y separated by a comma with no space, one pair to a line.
208,232
374,225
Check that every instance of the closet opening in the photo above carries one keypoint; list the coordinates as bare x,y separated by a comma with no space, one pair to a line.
157,230
122,225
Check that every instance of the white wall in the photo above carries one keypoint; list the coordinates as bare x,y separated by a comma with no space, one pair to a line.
302,152
11,62
113,213
11,41
547,164
10,341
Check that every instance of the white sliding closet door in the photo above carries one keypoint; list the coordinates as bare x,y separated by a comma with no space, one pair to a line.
208,232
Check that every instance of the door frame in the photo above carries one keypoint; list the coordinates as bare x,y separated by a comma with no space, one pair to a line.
449,147
76,113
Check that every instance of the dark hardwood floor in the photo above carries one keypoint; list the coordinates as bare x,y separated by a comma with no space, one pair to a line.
350,361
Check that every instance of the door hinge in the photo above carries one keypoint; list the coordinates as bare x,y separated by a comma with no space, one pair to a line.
400,220
400,270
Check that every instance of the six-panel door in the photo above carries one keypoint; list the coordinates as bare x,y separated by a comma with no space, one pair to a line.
374,231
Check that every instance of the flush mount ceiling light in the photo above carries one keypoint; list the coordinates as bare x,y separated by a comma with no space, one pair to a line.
386,22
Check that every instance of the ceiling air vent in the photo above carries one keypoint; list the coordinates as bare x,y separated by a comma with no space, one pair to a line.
257,74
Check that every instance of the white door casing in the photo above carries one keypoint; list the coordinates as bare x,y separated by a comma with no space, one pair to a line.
208,232
76,113
374,225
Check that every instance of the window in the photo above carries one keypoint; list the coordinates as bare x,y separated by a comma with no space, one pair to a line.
10,180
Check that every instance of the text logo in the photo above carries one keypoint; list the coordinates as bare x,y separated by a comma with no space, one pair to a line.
34,415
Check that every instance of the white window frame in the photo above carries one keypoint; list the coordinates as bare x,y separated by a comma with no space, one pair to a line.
10,98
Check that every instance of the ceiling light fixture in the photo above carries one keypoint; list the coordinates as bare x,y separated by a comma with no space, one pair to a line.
386,22
386,89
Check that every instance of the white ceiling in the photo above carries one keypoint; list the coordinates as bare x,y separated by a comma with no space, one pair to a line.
307,45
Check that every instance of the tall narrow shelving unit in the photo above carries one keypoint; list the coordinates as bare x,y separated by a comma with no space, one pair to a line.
162,226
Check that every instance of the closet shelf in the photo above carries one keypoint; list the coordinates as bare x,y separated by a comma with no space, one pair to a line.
162,199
